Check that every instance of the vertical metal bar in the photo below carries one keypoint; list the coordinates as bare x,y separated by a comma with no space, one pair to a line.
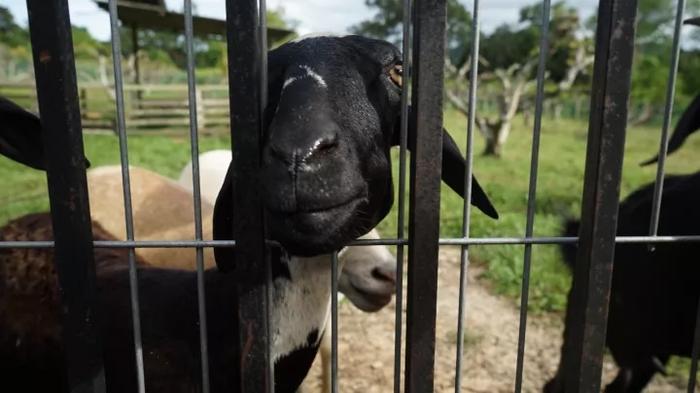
262,31
246,96
424,212
466,208
197,197
57,94
126,189
262,44
334,323
532,192
586,325
400,232
692,377
668,115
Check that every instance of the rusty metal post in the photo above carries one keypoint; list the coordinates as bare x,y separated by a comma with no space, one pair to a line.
586,326
57,93
424,201
247,90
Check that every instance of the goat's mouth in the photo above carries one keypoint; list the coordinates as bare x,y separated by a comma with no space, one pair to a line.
317,230
308,208
369,300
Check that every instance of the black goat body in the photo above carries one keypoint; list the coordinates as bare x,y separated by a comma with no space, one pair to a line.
30,329
654,294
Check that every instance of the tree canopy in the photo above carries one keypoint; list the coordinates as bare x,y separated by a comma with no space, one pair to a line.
513,43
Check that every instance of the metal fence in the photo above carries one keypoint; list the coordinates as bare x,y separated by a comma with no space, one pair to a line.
423,48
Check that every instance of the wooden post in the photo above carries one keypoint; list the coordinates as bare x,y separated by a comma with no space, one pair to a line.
201,116
137,66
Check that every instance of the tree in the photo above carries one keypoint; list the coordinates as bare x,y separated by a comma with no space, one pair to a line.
688,69
655,24
387,24
509,60
209,52
656,18
11,34
508,56
15,54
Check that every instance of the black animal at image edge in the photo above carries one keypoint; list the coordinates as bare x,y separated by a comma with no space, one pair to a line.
654,294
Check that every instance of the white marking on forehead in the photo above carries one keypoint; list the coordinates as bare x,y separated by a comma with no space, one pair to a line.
314,75
310,73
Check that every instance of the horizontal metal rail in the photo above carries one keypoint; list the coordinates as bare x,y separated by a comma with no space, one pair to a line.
483,241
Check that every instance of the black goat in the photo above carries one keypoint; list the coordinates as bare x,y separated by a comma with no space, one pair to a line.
332,118
325,179
654,294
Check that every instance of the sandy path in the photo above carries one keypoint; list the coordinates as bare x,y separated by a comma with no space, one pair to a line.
366,343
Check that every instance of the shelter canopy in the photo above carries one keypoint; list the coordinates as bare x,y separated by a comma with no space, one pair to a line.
153,15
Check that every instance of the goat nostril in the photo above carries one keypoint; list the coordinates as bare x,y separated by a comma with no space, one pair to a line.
384,274
296,153
325,145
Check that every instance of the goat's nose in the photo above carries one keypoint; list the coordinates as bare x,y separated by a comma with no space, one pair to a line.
384,273
322,146
302,151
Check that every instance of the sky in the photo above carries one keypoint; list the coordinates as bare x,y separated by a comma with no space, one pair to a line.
313,16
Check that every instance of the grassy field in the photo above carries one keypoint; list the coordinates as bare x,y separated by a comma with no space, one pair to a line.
560,183
506,180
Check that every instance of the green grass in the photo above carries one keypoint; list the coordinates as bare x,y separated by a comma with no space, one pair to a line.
560,183
23,190
506,180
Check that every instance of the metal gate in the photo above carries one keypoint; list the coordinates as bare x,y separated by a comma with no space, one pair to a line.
423,48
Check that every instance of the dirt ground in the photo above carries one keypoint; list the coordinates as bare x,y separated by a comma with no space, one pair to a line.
366,343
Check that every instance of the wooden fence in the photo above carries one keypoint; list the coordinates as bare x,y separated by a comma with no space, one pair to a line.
148,107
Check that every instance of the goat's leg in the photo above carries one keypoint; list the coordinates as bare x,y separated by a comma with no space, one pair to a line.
621,382
635,379
641,376
557,384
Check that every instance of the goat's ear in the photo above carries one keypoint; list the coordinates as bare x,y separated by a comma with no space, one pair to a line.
453,169
693,21
688,123
223,223
20,135
379,50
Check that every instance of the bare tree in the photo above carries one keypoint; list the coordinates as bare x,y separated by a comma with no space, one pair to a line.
515,86
514,83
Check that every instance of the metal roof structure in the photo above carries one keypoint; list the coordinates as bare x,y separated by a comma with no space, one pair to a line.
153,15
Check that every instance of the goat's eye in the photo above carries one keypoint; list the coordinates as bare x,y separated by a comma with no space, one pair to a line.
396,74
